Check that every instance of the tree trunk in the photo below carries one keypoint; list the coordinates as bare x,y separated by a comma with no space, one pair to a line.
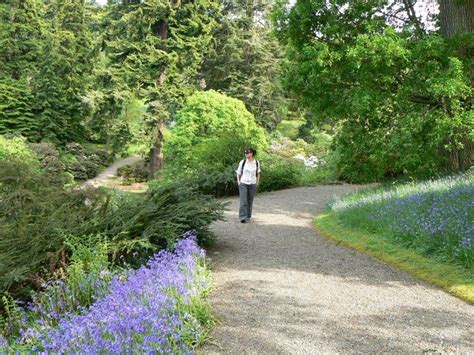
410,10
156,153
457,18
156,156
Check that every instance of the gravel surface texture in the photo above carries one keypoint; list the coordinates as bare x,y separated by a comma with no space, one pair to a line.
280,288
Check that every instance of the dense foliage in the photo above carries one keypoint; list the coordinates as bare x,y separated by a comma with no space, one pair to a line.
244,60
37,214
436,218
399,95
16,149
47,52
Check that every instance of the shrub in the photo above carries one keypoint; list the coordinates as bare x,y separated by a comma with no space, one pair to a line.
287,148
137,172
16,149
290,128
204,123
143,225
35,214
279,174
75,149
322,174
50,162
84,164
44,149
104,158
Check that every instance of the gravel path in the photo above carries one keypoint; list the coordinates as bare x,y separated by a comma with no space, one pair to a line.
110,172
280,288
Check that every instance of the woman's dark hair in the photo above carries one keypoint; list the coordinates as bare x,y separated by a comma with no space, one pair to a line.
250,149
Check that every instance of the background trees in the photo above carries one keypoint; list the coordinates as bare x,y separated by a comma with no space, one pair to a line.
47,60
155,49
245,58
398,94
394,88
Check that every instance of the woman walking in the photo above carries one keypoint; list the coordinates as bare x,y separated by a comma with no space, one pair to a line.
248,177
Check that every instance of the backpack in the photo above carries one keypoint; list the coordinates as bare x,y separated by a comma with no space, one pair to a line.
243,164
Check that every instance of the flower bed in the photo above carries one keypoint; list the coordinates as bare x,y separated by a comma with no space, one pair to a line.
156,308
435,217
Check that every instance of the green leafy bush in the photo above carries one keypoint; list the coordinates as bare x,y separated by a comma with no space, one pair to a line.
51,164
85,164
323,174
279,174
290,128
137,172
204,125
16,149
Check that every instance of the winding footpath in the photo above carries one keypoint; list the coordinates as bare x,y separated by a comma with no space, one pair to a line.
110,172
280,288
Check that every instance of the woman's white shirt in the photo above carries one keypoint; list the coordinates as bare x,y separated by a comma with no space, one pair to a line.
249,175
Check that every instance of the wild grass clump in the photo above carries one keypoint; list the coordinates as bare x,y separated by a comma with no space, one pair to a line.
436,218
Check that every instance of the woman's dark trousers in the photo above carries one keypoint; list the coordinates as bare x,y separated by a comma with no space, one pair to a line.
247,193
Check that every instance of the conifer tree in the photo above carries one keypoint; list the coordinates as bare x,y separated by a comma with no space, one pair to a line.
245,60
156,48
20,38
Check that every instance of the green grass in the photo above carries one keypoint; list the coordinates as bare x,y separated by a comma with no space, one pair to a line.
435,218
453,279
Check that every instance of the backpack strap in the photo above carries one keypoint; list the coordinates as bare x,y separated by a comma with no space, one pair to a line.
242,169
243,164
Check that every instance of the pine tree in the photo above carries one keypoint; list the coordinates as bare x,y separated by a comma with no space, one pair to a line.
245,61
20,34
156,48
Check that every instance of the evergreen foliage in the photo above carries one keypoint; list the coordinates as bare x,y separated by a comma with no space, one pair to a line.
48,53
155,49
244,61
15,149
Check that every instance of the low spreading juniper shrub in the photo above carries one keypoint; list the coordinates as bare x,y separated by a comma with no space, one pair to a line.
35,214
138,227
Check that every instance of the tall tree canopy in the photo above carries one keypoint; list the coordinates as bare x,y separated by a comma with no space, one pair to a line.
244,61
47,58
397,94
156,48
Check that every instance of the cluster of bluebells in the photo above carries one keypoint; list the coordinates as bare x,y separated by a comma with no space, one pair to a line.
140,312
439,213
59,297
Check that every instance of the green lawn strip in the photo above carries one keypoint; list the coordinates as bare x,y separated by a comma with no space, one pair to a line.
452,279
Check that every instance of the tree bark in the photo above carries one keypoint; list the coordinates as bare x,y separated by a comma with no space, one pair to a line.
457,18
156,153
